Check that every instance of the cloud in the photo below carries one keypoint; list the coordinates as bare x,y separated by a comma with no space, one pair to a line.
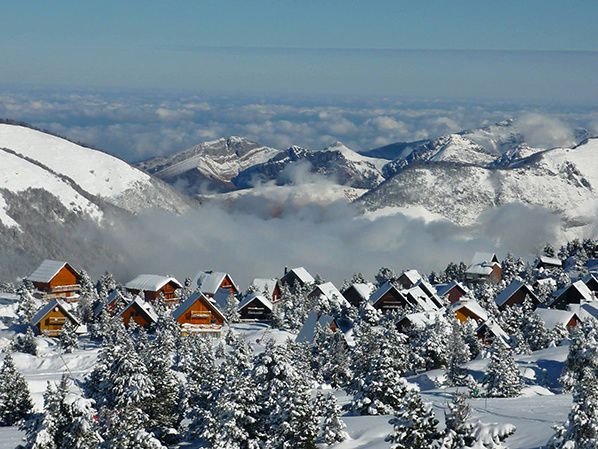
543,131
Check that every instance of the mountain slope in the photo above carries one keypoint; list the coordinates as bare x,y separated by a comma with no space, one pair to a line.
209,165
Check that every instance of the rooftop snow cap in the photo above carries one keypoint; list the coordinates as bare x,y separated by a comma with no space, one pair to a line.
150,282
47,270
209,281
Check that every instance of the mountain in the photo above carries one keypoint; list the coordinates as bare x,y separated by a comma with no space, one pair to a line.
210,165
51,189
336,162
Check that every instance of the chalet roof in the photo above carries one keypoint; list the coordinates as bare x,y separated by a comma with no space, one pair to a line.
589,277
151,282
308,330
483,269
510,290
187,303
250,297
47,270
65,307
494,328
592,264
430,291
421,319
262,285
579,285
480,258
586,310
422,301
114,295
144,306
209,281
552,317
302,274
552,261
472,306
330,292
382,290
412,275
443,289
364,290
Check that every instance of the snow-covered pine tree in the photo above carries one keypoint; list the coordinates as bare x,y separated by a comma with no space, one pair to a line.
81,430
458,354
415,425
535,332
15,401
68,337
333,428
502,378
27,305
167,332
549,250
583,353
458,433
471,339
335,359
232,309
25,343
581,429
384,274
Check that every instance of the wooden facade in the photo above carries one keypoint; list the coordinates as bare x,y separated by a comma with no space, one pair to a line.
391,301
455,293
169,291
64,284
134,311
353,296
52,320
201,312
255,309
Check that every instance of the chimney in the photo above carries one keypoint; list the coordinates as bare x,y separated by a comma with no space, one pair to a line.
286,270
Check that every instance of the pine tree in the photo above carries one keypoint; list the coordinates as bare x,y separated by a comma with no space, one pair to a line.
15,401
458,354
333,427
25,343
502,378
384,274
414,426
81,431
68,337
548,250
458,432
535,332
27,305
232,309
583,353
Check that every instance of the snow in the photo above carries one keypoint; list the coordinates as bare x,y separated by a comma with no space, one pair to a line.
150,282
353,156
209,281
249,298
46,271
5,219
109,177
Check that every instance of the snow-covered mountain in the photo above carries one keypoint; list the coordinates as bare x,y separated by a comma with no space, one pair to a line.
209,165
336,163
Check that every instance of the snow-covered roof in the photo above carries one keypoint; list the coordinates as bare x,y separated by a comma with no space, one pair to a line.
553,261
330,292
249,298
382,290
196,296
586,310
143,305
579,285
65,307
552,317
364,290
209,281
422,300
308,330
494,328
471,305
303,275
589,277
47,270
483,269
509,291
150,282
443,289
265,286
412,275
422,319
480,258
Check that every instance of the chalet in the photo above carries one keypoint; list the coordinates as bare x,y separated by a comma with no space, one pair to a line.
56,279
358,293
328,292
489,331
465,309
255,307
114,303
419,300
270,288
453,291
585,311
151,286
417,320
388,298
140,311
591,281
548,263
297,277
51,318
592,265
408,279
199,314
515,294
217,285
575,293
430,292
484,267
554,317
315,319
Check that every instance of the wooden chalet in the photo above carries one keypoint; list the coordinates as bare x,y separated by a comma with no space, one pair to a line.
297,277
430,292
575,293
490,330
255,307
270,288
591,281
417,321
515,294
328,292
453,291
151,286
419,300
408,279
554,317
56,279
140,311
115,302
199,314
216,285
52,317
469,309
388,298
358,293
484,267
548,263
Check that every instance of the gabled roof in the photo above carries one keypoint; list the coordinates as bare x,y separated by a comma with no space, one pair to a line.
412,275
443,289
552,317
151,282
308,330
47,270
382,290
63,306
587,310
472,306
197,296
589,277
330,292
494,328
510,290
302,274
420,320
483,269
113,296
579,285
363,290
261,298
144,306
419,299
209,281
430,291
265,286
553,261
480,258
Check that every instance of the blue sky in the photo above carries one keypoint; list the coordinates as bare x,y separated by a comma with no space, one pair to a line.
512,50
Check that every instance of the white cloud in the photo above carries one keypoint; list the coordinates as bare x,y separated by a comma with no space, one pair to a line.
540,130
